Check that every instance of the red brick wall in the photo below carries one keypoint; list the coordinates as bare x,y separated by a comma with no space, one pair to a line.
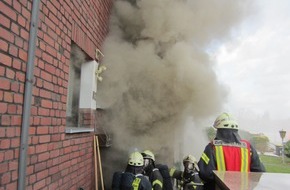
55,160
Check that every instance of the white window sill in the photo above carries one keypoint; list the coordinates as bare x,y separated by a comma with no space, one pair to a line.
71,130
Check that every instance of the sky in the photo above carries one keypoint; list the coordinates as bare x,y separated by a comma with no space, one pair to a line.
255,66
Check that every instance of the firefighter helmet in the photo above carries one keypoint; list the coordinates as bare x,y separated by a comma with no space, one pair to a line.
189,158
136,159
148,154
225,121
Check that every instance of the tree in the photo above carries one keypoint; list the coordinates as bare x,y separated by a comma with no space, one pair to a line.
260,142
245,135
287,149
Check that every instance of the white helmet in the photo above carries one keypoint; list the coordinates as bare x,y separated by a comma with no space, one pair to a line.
192,160
136,159
225,121
189,158
148,154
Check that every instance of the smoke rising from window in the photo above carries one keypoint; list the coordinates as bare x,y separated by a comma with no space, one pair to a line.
159,73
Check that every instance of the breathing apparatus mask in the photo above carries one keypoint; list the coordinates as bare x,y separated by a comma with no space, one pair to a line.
188,167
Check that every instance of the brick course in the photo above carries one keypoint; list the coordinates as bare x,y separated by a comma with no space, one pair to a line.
55,160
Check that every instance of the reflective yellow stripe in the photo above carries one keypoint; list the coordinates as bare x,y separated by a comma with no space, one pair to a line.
245,160
205,158
220,158
172,170
179,187
136,183
192,185
195,185
158,182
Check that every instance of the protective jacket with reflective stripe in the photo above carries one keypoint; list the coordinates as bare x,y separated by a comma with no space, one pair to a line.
129,181
232,156
156,179
186,182
208,163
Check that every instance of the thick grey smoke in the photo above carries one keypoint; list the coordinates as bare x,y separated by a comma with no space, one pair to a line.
159,73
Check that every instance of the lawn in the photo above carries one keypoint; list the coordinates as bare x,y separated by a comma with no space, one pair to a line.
275,164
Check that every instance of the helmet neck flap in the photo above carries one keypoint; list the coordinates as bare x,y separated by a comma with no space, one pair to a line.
228,135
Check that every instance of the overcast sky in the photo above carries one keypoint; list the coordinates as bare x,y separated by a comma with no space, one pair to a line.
255,67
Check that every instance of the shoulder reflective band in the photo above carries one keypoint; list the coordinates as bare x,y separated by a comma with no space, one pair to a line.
245,159
220,158
196,184
172,170
157,182
136,183
205,158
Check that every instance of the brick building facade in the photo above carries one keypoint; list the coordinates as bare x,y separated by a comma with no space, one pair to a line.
56,159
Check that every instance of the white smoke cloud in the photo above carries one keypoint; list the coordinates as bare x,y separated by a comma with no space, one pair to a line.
160,74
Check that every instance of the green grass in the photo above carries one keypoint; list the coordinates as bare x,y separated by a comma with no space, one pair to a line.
275,164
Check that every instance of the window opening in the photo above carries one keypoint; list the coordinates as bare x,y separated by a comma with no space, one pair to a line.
77,58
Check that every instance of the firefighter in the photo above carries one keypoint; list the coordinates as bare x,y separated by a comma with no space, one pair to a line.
188,179
227,152
132,178
151,171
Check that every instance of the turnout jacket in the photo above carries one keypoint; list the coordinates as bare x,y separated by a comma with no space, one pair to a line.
186,181
222,156
129,181
155,178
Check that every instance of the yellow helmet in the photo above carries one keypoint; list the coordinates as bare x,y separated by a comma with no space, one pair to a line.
148,154
225,121
136,159
189,158
192,160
